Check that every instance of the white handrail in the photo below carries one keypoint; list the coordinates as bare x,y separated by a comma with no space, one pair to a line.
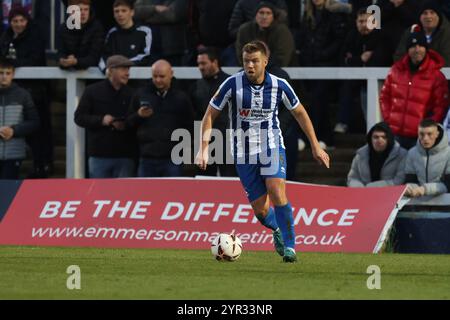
75,145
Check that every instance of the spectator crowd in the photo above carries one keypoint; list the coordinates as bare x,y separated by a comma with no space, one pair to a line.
129,125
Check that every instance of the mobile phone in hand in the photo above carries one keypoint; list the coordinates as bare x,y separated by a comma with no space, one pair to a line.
145,104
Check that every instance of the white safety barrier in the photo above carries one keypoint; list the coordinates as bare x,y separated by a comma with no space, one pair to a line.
75,139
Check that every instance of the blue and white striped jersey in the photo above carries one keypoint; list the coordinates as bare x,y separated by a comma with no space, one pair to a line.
253,112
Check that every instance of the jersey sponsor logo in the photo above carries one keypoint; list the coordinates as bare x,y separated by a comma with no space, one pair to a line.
255,114
244,113
258,100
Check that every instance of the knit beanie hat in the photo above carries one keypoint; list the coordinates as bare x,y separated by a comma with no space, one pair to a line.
416,37
266,4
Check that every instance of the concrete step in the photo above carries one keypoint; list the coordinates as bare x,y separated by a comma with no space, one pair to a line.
312,169
337,155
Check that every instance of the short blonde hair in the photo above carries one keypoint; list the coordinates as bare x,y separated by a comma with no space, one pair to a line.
256,46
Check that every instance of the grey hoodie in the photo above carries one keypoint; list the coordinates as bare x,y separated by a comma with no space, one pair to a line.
18,112
430,168
392,172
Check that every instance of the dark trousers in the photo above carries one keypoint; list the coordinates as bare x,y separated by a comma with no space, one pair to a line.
103,168
158,168
10,169
349,91
41,142
222,170
319,93
291,136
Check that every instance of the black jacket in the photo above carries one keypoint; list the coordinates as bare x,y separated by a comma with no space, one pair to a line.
211,22
29,46
201,94
134,43
169,28
30,52
356,44
104,13
171,112
320,45
395,21
97,101
85,44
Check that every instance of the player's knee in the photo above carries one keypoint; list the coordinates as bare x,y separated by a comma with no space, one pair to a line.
277,196
261,207
261,214
261,210
276,189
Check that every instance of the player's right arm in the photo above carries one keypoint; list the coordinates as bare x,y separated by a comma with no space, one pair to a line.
305,123
205,136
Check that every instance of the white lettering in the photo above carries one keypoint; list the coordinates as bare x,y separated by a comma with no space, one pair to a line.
50,210
174,216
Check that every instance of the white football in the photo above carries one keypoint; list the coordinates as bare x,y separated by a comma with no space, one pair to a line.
226,247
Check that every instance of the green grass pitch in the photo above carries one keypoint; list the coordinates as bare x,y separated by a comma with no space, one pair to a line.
40,273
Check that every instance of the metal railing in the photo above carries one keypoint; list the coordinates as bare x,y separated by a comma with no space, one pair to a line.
75,82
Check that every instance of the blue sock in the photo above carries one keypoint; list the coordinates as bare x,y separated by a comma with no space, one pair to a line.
269,221
285,220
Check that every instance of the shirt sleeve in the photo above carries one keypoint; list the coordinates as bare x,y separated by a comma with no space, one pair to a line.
223,95
288,96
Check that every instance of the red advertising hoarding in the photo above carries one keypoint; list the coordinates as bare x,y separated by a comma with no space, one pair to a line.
189,213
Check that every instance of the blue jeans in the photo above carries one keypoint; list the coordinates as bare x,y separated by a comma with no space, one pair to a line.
103,168
158,168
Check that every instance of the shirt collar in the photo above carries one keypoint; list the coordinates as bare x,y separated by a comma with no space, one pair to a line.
162,94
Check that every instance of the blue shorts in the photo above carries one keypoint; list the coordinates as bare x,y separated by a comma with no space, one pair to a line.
253,175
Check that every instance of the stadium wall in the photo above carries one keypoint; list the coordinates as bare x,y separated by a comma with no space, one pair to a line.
423,226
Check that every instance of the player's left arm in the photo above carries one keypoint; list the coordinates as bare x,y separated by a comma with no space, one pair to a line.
302,117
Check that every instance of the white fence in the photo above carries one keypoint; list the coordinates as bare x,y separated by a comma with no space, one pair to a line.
75,139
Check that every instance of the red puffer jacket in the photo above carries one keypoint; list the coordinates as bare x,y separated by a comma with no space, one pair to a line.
406,99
